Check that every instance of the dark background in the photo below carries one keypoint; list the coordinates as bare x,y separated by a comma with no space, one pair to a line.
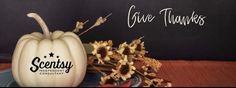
213,41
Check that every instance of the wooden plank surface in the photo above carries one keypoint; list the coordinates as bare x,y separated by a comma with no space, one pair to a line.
4,66
192,73
199,73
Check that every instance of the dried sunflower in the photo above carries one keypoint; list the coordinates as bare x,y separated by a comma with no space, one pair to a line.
125,49
152,83
155,64
138,46
115,56
102,50
150,75
124,69
107,80
148,83
146,68
168,84
157,82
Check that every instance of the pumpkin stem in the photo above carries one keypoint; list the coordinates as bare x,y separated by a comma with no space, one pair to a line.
41,23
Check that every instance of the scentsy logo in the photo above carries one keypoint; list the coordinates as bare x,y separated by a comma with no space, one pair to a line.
50,66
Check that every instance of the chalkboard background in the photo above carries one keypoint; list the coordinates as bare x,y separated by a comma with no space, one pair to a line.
215,40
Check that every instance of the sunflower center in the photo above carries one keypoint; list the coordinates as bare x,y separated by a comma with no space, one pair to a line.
152,85
155,83
139,47
124,69
149,68
110,81
126,51
102,51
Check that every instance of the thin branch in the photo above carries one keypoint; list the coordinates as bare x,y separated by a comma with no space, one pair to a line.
104,74
99,21
79,25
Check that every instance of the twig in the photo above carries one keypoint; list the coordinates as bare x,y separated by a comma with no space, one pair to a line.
135,70
108,15
101,69
86,21
79,25
104,74
102,65
141,38
99,21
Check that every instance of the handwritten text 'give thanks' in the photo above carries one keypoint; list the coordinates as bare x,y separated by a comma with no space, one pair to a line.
168,16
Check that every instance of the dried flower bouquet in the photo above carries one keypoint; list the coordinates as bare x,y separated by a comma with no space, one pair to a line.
121,63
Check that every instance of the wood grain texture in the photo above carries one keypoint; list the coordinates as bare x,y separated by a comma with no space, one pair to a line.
199,73
192,73
4,66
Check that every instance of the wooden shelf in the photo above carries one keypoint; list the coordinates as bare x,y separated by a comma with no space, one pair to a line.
191,73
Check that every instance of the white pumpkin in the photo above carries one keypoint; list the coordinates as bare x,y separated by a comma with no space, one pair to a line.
33,57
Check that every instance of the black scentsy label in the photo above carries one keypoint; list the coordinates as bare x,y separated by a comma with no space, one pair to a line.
50,67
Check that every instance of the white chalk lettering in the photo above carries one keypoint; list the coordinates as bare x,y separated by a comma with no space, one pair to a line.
138,17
